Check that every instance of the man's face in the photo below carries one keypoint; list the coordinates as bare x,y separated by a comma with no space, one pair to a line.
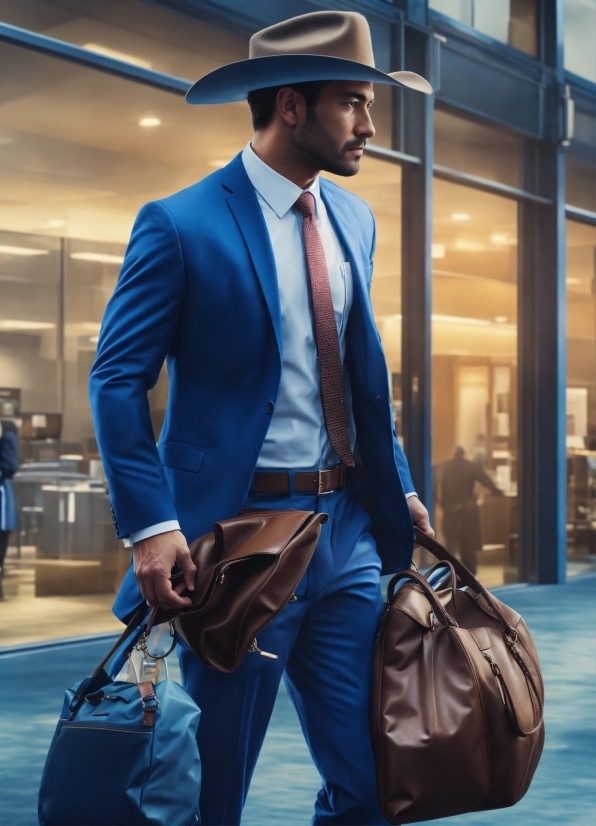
335,133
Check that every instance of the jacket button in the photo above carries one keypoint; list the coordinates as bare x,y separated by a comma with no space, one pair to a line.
270,407
378,398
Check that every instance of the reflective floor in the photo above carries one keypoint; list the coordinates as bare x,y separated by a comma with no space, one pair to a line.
561,618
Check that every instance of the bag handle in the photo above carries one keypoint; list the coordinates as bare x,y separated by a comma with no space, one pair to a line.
429,591
509,631
97,679
438,550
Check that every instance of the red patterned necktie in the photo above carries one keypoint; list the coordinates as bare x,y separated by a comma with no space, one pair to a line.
330,370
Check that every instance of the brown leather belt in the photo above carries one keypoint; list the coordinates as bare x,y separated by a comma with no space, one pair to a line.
305,481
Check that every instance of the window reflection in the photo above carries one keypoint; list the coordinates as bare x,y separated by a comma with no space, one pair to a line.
581,396
510,21
580,184
476,149
580,38
474,377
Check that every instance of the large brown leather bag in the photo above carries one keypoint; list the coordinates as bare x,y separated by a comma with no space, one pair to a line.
457,700
247,570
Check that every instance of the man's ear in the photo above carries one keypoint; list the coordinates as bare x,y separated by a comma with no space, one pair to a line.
289,103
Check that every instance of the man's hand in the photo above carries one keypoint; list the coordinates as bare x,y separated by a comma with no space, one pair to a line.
154,559
420,516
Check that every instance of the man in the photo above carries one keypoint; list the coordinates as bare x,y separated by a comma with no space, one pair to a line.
461,514
254,286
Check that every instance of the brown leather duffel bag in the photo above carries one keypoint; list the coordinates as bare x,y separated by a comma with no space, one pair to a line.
247,570
457,700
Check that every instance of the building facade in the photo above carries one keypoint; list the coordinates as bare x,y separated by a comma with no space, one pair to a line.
485,274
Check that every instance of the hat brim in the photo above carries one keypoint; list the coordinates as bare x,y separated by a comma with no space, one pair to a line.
234,81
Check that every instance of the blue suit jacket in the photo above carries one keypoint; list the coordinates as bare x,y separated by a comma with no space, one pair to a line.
198,287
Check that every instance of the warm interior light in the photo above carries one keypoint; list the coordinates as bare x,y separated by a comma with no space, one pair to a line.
16,325
93,339
218,163
128,58
437,250
501,319
572,281
502,239
149,122
467,245
460,216
98,257
54,223
456,319
22,250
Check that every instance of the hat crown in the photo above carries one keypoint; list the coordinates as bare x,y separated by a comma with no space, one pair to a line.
329,33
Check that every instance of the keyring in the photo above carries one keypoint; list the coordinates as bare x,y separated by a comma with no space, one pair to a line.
142,644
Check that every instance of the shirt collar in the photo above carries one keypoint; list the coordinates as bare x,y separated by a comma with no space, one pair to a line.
279,192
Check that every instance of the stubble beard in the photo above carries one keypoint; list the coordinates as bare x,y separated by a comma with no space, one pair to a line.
322,149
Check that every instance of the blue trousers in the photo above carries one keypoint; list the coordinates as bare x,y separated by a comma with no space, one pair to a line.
324,643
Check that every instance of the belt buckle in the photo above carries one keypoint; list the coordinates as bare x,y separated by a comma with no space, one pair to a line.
320,491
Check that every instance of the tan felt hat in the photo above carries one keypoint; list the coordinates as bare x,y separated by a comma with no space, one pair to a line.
323,45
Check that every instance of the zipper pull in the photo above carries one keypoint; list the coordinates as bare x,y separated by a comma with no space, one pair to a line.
254,649
221,577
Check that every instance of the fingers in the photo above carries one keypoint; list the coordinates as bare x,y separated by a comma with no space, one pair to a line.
167,596
189,569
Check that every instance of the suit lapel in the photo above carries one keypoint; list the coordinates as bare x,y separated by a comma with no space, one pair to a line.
343,221
242,200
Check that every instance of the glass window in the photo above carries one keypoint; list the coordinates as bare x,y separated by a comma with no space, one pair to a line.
580,38
580,184
477,149
379,184
131,30
474,378
510,21
77,161
581,396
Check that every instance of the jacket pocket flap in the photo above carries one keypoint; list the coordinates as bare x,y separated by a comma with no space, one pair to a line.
183,457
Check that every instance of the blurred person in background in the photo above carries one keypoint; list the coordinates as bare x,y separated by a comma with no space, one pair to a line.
9,464
461,514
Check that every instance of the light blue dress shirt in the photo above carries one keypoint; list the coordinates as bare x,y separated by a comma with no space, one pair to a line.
297,437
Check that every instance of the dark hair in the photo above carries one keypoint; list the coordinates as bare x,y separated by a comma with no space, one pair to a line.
262,101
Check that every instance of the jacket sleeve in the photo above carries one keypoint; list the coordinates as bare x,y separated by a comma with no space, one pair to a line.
9,456
137,332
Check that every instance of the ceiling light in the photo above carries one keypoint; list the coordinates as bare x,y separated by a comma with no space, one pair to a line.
460,216
149,122
437,250
465,245
54,223
128,58
572,281
98,257
456,319
15,325
26,251
501,319
218,163
501,238
94,326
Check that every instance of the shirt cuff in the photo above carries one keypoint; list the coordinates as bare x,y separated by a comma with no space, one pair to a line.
152,530
409,495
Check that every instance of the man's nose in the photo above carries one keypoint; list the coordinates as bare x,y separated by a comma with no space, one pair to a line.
365,128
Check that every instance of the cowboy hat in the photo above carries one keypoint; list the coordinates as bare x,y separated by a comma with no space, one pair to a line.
323,45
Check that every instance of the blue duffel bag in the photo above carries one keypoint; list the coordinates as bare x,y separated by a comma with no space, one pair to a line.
123,753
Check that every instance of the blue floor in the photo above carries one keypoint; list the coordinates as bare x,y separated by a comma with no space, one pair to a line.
561,618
